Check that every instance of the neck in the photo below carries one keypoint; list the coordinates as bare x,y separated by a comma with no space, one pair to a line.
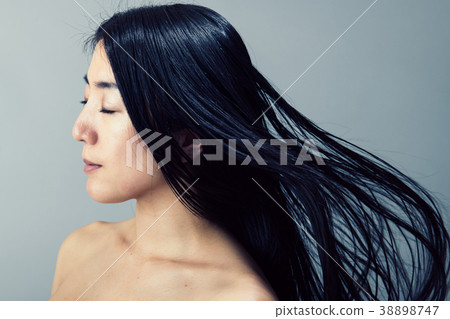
165,229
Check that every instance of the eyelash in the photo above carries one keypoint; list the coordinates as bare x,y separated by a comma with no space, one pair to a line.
103,110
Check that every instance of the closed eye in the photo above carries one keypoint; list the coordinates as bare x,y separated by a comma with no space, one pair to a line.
103,110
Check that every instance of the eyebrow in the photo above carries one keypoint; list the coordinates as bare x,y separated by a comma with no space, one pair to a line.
102,84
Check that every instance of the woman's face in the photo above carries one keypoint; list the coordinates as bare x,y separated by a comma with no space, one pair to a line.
105,137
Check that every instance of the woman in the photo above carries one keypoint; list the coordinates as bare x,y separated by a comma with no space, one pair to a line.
308,216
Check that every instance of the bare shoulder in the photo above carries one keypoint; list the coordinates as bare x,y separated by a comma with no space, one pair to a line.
84,237
248,288
75,247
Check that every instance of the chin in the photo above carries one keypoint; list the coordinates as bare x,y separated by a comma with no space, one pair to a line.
105,197
107,200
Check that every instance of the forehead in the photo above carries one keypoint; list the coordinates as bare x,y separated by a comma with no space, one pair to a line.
100,68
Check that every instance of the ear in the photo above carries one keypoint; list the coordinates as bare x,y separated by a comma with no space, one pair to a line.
186,139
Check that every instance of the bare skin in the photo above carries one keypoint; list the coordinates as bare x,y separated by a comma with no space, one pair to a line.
179,257
222,271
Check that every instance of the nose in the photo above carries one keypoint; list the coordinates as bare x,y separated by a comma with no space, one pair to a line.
84,130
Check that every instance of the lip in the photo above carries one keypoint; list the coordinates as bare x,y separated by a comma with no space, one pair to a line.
89,162
90,167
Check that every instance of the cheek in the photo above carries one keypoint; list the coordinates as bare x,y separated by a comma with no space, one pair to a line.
139,175
128,173
134,183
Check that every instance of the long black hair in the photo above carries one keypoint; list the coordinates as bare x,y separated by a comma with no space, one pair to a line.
355,228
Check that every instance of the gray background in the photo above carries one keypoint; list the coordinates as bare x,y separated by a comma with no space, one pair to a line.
384,86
